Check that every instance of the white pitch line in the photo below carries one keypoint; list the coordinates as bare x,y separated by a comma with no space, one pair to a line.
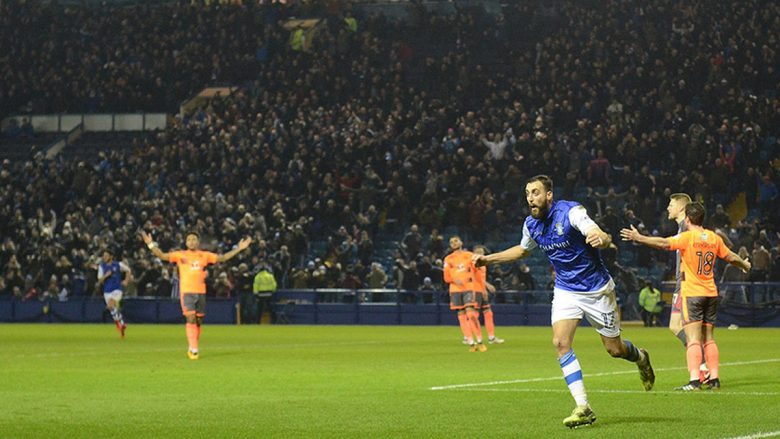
758,435
638,392
621,372
535,380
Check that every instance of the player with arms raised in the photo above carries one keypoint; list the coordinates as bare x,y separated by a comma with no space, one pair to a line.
192,265
676,212
699,247
583,286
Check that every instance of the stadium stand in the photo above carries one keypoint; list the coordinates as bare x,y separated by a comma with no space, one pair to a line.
436,119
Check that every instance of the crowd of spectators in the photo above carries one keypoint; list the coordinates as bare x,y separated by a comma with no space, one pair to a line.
122,58
435,121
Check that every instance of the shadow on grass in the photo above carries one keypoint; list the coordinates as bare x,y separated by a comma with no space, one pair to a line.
222,353
618,420
745,385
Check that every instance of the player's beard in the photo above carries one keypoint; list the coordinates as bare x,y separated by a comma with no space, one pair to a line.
541,211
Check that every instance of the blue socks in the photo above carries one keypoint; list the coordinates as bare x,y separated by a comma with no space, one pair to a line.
633,354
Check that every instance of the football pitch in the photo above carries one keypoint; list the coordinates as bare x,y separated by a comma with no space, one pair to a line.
68,380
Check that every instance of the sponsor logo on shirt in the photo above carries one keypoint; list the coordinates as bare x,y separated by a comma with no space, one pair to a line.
555,246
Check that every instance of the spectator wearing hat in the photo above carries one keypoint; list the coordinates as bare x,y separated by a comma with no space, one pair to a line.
427,288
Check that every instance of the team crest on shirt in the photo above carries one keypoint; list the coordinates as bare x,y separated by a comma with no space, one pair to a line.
704,236
559,229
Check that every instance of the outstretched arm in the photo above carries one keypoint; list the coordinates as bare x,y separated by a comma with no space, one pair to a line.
737,261
508,255
153,246
242,245
633,234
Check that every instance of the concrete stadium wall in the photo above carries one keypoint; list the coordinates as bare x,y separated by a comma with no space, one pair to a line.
63,123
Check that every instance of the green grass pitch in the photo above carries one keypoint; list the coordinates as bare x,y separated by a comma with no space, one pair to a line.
358,382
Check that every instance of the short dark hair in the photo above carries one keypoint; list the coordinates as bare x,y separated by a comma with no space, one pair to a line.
109,251
192,232
544,179
695,213
680,196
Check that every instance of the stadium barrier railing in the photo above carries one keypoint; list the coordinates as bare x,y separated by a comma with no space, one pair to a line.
743,304
93,310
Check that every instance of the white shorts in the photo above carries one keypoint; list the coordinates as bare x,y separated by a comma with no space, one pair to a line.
599,307
116,295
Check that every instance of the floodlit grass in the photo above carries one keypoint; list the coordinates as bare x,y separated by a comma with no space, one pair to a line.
343,382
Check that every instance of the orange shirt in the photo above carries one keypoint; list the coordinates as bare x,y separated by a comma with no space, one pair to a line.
480,281
698,251
459,268
192,269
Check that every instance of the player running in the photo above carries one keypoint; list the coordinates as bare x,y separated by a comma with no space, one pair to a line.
699,248
192,265
583,286
483,300
459,272
111,282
